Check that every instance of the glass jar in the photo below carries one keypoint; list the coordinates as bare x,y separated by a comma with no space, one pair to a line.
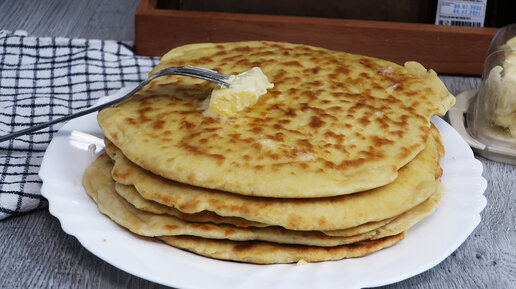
491,116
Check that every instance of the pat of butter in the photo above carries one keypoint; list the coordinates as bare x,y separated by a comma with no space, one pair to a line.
244,91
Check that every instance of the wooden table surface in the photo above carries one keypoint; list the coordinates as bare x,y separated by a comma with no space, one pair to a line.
36,253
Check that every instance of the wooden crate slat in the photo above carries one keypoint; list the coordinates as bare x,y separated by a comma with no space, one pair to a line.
446,49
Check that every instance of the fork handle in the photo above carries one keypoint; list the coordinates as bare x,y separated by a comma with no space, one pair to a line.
191,71
69,117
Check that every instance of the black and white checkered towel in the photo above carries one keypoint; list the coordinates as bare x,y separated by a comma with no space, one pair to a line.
42,78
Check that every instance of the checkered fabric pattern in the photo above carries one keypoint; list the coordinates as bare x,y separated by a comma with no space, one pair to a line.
42,78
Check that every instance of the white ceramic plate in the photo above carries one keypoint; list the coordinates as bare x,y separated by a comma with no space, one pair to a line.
426,244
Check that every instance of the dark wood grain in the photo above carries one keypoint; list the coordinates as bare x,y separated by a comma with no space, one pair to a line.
421,11
36,253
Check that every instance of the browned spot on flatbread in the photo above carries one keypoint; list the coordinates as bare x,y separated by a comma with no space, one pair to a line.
158,124
380,141
316,122
120,175
131,120
293,63
171,227
201,226
245,246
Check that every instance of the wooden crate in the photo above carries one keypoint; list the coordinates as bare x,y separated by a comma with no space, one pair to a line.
446,49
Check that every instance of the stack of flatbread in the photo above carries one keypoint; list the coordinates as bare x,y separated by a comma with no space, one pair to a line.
337,160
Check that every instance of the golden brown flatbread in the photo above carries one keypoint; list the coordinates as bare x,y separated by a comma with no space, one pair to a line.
415,183
101,188
131,195
381,228
360,229
270,253
334,123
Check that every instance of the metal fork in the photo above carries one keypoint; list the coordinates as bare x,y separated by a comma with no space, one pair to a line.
192,71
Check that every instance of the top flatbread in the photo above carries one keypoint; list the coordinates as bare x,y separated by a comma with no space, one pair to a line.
334,123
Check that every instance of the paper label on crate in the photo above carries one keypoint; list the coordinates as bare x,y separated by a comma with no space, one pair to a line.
461,13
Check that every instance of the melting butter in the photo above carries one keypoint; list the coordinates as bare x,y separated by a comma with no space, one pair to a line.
244,91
